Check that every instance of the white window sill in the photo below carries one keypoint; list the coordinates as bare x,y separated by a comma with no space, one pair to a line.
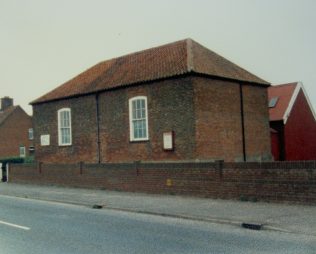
139,140
64,144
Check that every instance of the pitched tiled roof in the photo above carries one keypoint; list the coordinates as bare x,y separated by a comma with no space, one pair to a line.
284,93
152,64
6,113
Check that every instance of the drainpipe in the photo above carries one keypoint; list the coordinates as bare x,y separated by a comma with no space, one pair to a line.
98,128
242,122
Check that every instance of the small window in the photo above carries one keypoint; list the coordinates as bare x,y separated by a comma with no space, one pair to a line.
64,127
273,101
138,118
22,151
31,134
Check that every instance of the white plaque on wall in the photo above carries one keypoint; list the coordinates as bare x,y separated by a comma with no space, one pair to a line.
45,140
168,140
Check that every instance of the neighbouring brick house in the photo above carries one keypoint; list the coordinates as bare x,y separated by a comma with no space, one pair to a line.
292,122
16,132
179,101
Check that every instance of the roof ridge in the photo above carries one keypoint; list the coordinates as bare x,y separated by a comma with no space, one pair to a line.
190,64
8,108
195,46
284,84
143,51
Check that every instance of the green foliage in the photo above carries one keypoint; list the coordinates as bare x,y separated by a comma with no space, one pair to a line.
29,159
253,199
243,198
12,160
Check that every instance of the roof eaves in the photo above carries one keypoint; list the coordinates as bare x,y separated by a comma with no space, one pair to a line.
39,101
189,71
265,84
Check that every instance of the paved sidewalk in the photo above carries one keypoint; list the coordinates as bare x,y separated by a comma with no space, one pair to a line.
297,219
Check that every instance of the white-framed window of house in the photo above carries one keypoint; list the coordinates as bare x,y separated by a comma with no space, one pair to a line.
64,127
22,151
138,118
31,134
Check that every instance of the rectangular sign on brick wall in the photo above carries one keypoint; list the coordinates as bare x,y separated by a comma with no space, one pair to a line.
45,140
168,140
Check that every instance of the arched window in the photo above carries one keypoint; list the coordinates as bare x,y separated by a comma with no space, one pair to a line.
64,127
138,118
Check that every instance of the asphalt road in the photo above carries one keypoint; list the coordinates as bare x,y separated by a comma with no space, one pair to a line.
30,226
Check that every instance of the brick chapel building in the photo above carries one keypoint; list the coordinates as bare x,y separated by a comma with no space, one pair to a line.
179,101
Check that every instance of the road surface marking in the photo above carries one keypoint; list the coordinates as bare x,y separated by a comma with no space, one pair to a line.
14,225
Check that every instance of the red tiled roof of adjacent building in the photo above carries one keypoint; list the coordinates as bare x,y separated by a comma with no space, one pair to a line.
181,57
4,114
284,93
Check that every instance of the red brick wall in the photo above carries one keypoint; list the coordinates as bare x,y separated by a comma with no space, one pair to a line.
219,121
203,113
274,181
84,128
256,117
14,133
170,108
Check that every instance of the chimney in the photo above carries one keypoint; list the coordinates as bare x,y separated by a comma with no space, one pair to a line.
6,102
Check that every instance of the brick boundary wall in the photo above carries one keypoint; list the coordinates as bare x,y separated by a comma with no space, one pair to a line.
266,181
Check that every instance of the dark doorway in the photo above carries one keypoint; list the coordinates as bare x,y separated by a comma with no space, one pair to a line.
4,172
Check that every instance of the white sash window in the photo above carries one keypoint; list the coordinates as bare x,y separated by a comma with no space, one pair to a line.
138,118
64,127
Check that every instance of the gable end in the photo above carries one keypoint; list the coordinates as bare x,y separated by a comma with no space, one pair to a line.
298,88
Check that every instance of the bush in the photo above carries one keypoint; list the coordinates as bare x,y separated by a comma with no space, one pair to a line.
243,198
29,159
12,160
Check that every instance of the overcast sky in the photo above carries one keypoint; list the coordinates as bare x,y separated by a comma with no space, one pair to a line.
44,43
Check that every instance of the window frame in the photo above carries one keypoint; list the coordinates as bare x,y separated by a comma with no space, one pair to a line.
59,112
131,119
22,154
31,134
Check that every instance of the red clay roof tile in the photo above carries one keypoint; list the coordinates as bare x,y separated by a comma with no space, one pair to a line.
284,93
4,114
152,64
